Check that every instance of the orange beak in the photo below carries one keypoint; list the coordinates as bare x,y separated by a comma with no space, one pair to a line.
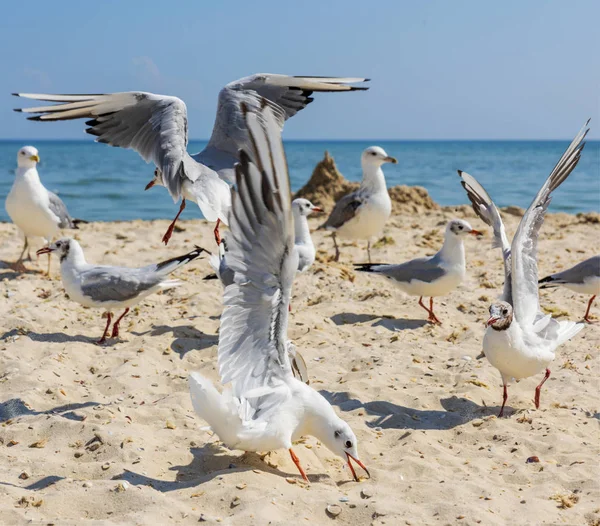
476,233
350,457
316,209
491,321
45,250
150,184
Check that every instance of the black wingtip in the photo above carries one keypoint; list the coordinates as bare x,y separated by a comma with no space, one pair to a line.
18,110
209,277
18,95
460,172
359,88
35,118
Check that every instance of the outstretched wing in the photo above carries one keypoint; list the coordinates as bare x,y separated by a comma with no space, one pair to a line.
155,126
287,96
524,246
485,208
252,344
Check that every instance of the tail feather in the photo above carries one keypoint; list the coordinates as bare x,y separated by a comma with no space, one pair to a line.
369,267
168,266
567,330
215,408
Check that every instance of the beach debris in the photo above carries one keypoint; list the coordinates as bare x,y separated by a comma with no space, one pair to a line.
241,485
532,460
170,425
40,443
24,475
366,493
565,501
122,486
235,502
87,484
105,466
333,510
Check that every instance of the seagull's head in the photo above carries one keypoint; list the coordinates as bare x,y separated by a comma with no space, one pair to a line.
303,207
501,316
376,156
156,180
62,247
28,157
460,228
340,439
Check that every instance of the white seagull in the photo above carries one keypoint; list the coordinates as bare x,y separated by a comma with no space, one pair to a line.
303,243
431,276
583,278
107,287
36,211
520,341
363,213
156,127
265,408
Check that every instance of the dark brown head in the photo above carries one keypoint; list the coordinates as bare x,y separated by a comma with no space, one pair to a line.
501,316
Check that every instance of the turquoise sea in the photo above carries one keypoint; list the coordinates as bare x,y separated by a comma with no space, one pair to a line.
100,183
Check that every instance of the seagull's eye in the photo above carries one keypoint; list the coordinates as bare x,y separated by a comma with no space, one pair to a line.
373,153
348,444
460,227
337,434
504,312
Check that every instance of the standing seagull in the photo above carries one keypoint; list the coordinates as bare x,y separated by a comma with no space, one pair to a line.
36,211
303,243
156,127
583,278
432,276
107,287
266,408
520,341
362,214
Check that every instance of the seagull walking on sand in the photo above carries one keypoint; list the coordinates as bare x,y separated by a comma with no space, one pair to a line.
431,276
156,127
266,407
583,278
363,213
520,341
107,287
35,210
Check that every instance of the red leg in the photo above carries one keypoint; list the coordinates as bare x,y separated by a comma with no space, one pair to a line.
432,317
422,305
217,234
587,312
169,231
297,462
115,331
108,320
504,399
539,388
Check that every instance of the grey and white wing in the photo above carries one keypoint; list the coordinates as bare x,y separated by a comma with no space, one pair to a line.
426,270
344,210
287,96
59,209
524,246
260,250
486,209
587,269
155,126
105,284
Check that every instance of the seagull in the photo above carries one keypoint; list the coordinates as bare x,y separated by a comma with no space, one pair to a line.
520,341
431,276
36,211
266,407
583,278
303,243
156,127
363,213
107,287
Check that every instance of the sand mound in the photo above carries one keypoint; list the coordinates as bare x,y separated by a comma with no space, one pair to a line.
327,185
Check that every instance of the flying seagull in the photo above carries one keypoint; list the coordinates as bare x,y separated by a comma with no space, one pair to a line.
266,408
156,127
520,341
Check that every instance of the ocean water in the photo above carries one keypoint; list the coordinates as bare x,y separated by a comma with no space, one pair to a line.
101,183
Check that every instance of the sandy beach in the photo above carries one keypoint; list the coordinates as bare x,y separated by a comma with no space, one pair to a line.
107,434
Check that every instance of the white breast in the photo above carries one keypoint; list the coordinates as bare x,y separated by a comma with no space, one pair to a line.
370,218
590,285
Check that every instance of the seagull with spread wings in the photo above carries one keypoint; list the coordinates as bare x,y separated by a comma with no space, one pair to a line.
520,341
156,127
266,407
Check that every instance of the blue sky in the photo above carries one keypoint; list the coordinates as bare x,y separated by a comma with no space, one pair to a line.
439,69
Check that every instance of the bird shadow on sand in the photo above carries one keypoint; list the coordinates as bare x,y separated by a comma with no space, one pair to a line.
43,483
457,411
208,462
15,408
50,337
9,274
186,338
391,324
